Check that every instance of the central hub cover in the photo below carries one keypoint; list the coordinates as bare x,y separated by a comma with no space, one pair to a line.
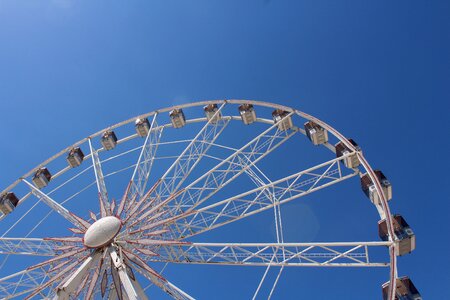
102,232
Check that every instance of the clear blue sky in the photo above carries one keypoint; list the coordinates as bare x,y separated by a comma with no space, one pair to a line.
379,71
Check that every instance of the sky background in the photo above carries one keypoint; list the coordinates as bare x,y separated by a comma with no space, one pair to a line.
378,71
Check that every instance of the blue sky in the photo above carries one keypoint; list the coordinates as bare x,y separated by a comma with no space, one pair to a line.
378,71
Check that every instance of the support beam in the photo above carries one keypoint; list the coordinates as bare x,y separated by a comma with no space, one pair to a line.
28,246
185,163
56,206
125,280
336,254
166,286
145,161
100,180
258,200
73,282
230,168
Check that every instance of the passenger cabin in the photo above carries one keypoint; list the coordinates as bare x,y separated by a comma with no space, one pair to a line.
75,157
8,203
406,238
109,140
369,189
210,112
283,119
142,126
405,290
316,133
41,178
177,117
350,161
247,113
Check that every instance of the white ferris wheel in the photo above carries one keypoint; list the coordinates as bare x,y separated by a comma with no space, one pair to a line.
104,217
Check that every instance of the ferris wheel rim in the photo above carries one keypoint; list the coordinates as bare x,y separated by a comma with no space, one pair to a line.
336,134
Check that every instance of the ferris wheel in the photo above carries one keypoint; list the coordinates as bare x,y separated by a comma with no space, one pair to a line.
104,217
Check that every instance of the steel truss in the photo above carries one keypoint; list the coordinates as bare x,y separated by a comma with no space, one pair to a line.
225,172
166,286
28,246
100,180
146,158
354,254
201,189
222,174
158,222
28,281
262,198
177,173
72,218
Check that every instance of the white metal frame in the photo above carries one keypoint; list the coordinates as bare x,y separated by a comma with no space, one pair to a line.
176,213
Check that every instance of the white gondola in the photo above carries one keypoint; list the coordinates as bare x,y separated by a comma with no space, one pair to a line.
109,140
405,236
177,117
283,119
352,160
41,178
369,189
75,157
8,203
247,113
316,133
142,126
211,113
405,289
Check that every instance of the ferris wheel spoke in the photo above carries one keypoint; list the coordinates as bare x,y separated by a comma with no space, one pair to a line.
94,277
21,283
82,286
185,163
335,254
40,278
100,180
165,285
146,158
31,282
261,198
203,189
123,278
29,246
69,216
71,284
229,169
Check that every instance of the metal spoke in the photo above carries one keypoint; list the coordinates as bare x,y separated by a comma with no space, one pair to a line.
180,169
256,200
225,172
100,180
278,228
28,246
146,158
125,280
230,168
337,254
275,282
72,218
21,283
166,286
35,281
157,224
72,283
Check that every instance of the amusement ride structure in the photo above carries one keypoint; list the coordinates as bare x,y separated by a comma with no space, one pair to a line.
79,226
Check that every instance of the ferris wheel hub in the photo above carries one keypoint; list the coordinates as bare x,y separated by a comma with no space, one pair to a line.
102,232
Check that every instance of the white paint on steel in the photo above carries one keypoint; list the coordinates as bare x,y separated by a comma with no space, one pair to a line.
383,210
76,278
